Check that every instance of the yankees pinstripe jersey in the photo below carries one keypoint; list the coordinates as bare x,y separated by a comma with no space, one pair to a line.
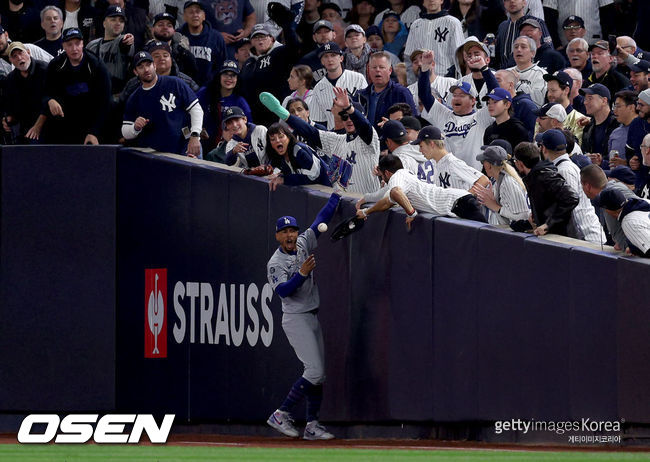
531,81
439,88
463,133
407,17
636,226
425,197
512,198
255,154
583,218
451,172
588,10
410,156
282,266
323,95
443,35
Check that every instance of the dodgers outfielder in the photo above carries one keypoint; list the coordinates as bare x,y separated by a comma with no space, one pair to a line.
290,273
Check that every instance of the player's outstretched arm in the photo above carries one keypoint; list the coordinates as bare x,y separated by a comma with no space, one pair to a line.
326,213
424,83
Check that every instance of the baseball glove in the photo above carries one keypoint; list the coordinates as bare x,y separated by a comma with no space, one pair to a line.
339,171
260,170
347,227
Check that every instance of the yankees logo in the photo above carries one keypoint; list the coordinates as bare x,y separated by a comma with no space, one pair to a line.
265,61
352,157
327,47
444,180
441,35
168,104
260,147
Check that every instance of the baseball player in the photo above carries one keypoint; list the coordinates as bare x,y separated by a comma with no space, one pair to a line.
248,143
436,30
462,126
634,216
450,171
359,145
331,58
404,188
290,273
584,223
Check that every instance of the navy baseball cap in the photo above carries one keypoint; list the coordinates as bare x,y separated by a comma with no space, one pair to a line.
610,199
286,222
502,143
641,66
140,57
596,89
329,6
465,87
229,66
71,33
553,139
260,29
374,30
392,13
623,174
411,122
193,2
154,45
329,47
322,23
232,112
571,19
498,94
2,30
429,133
561,77
495,155
169,17
392,130
114,10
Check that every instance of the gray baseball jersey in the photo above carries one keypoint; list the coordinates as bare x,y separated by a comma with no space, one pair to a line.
583,218
363,157
588,10
282,266
513,200
425,197
323,95
451,172
443,35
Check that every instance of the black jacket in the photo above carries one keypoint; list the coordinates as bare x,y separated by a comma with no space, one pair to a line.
588,136
88,19
24,95
551,199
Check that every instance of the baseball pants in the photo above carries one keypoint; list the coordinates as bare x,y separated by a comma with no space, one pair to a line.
306,337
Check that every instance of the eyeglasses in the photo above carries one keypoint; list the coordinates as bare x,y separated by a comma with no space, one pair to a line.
572,27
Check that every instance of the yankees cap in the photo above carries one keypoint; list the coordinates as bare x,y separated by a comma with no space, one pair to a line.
153,45
286,222
140,57
429,133
354,28
260,29
114,10
232,112
71,33
571,19
561,77
229,66
641,66
329,47
322,23
392,130
610,199
169,17
596,89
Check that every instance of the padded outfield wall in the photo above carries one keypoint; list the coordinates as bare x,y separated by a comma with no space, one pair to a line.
451,323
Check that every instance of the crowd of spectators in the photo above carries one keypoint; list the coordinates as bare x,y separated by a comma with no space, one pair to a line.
535,111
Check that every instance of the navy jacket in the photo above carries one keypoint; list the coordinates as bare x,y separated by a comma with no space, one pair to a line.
209,49
393,93
524,107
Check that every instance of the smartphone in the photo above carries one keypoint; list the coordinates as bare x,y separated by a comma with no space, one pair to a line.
612,44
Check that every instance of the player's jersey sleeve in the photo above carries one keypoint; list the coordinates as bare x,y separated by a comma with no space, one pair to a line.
276,272
308,240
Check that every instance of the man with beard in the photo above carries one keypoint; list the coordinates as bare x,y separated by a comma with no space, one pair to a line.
163,30
156,113
603,72
24,95
558,89
323,32
34,51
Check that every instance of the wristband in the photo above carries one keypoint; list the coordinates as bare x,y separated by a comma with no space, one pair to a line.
363,211
413,214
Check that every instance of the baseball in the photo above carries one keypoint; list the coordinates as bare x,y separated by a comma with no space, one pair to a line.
322,227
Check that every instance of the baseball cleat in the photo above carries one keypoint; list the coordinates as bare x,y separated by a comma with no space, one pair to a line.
315,431
283,423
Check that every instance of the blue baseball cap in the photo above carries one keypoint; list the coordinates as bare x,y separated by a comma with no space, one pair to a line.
465,87
641,66
498,94
610,199
329,47
229,66
553,139
596,89
286,222
232,112
561,77
392,130
140,57
428,133
169,17
193,2
503,143
72,33
623,174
